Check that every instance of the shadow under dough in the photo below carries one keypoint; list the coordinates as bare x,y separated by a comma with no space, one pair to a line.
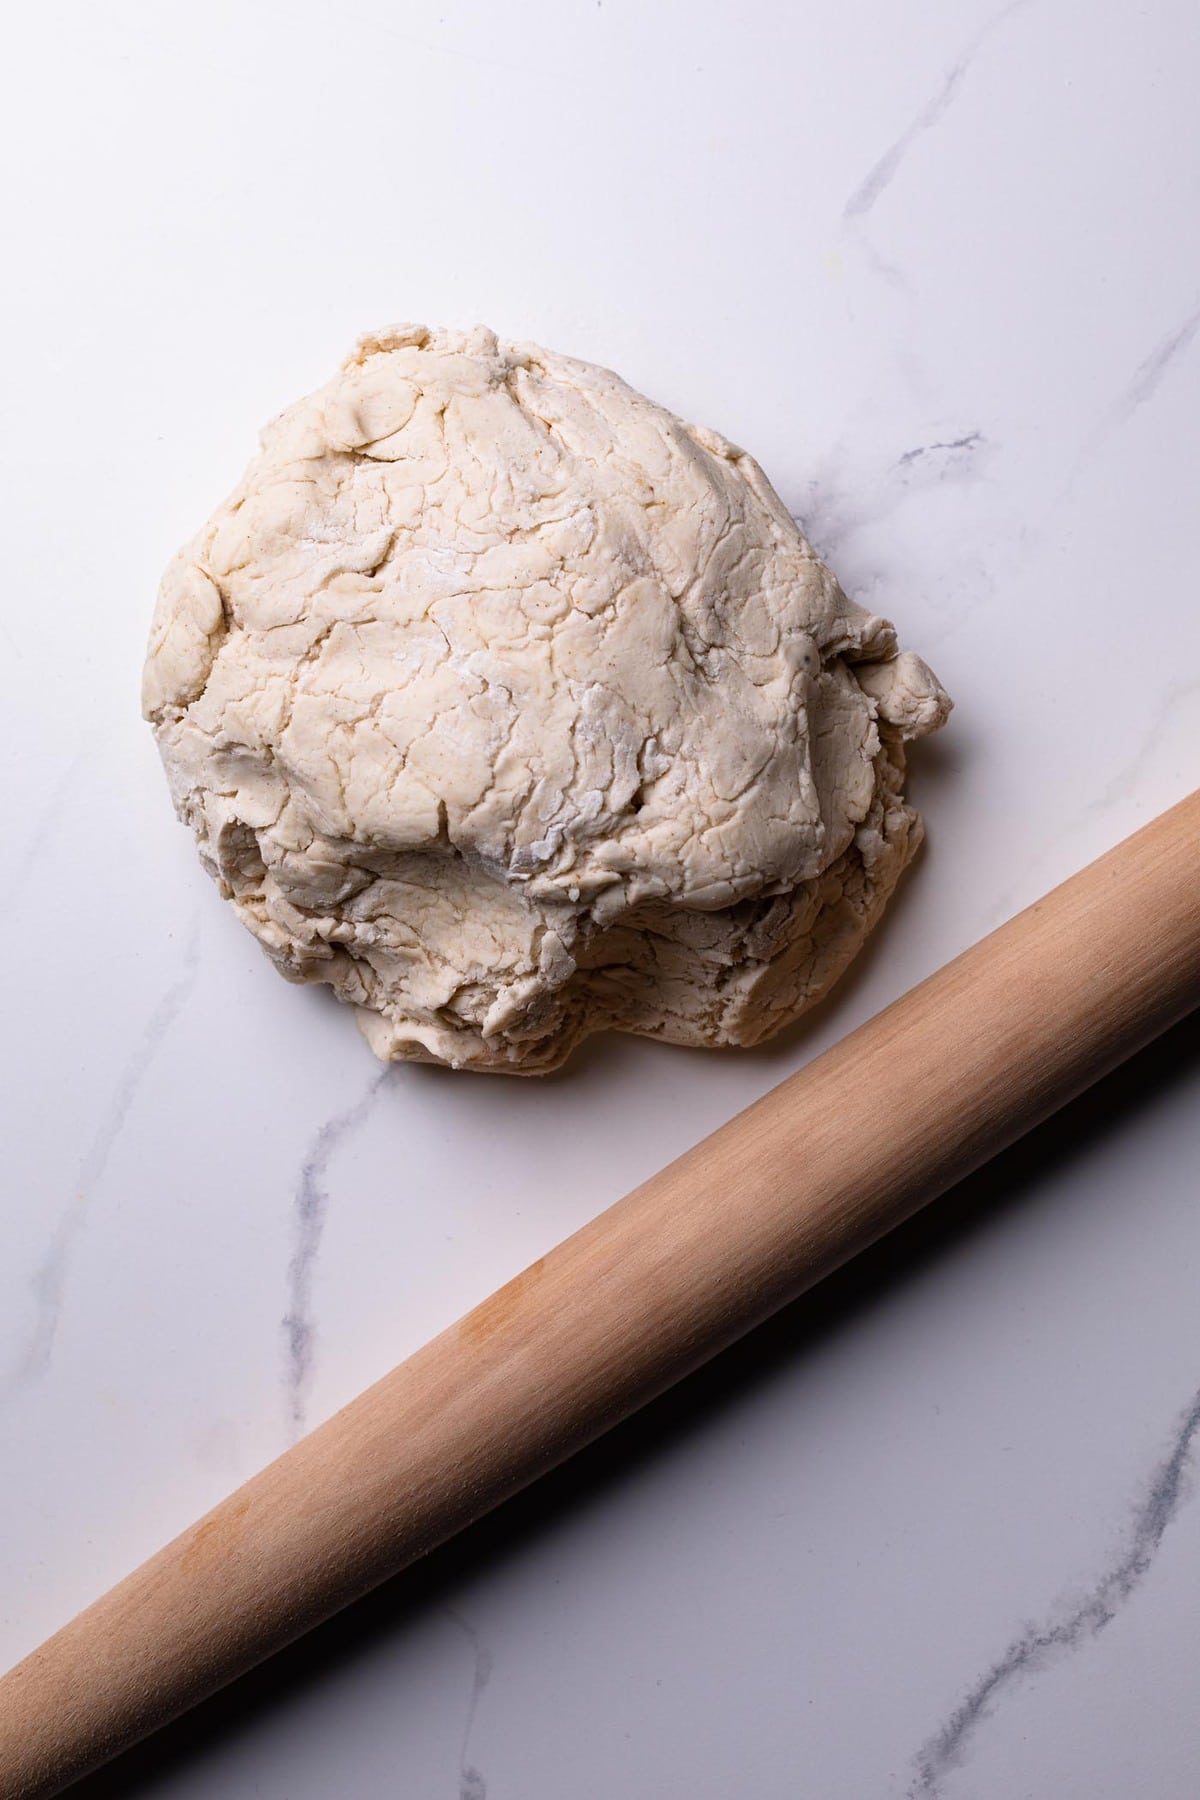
1007,1183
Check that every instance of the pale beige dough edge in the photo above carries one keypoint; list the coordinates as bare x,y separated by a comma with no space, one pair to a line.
515,708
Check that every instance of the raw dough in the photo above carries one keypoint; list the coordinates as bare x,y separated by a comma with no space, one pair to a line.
514,708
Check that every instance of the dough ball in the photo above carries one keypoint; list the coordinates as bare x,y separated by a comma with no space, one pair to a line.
514,708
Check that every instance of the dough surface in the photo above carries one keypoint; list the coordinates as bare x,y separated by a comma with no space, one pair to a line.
514,708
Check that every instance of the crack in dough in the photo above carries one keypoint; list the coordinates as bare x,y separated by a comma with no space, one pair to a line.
514,708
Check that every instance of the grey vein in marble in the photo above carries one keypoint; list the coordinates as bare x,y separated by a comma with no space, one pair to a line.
1039,1646
1138,391
44,827
48,1281
884,172
954,448
1148,375
11,641
835,513
471,1784
311,1205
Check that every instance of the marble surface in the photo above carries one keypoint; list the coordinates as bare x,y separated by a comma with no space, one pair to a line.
934,1532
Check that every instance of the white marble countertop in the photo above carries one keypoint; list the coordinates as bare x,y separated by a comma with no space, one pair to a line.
934,1532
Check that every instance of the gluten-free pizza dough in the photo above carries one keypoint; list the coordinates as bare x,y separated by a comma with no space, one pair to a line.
514,708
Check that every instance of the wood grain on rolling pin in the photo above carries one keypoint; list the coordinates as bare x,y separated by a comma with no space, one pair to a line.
698,1255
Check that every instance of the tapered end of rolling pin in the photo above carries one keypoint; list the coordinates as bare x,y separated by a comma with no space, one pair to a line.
822,1166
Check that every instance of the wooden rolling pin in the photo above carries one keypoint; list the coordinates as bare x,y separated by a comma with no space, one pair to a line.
830,1160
